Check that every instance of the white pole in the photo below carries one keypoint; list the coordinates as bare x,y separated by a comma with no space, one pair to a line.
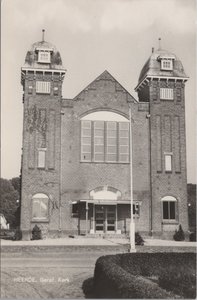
132,223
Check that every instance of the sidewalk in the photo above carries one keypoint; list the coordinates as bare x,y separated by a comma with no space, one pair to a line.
94,242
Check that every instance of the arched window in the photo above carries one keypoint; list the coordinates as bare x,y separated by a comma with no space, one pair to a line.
40,205
104,137
169,208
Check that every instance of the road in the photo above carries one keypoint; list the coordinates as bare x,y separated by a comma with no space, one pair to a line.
56,272
47,275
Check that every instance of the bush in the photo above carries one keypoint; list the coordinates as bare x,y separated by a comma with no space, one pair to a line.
88,288
17,235
138,239
124,275
192,237
179,234
36,233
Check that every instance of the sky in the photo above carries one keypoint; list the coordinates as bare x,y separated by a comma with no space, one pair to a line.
93,36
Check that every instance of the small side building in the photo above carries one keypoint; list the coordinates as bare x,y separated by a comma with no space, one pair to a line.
3,222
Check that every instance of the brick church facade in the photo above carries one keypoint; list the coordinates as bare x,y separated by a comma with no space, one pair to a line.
84,158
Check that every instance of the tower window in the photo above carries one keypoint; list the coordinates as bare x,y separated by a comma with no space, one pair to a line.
44,57
166,64
41,158
40,206
169,208
168,162
43,87
166,94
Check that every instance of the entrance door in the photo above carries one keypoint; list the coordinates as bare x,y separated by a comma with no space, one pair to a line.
105,218
99,218
110,218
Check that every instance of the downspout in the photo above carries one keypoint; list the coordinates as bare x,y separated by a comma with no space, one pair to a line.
132,223
60,168
151,193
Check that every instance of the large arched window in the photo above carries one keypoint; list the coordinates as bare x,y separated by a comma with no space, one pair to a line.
169,208
104,137
40,204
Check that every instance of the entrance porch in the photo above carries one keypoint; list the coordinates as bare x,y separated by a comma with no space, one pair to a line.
103,217
105,212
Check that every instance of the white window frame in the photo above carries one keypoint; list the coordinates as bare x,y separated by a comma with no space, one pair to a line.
168,162
166,64
166,94
43,87
44,56
42,158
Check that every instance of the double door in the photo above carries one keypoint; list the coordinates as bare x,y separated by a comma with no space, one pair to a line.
105,218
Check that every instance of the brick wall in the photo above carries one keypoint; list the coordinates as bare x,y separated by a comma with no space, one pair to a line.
79,178
172,135
35,132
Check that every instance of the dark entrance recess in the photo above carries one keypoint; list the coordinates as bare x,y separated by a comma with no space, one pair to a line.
105,218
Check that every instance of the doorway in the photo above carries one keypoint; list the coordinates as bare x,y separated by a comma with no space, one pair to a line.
105,218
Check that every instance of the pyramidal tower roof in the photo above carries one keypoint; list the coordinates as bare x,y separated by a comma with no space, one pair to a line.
32,61
152,67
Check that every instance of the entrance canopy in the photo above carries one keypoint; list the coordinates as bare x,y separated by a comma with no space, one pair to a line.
105,195
106,201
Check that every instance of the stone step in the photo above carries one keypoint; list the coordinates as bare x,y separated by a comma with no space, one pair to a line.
101,235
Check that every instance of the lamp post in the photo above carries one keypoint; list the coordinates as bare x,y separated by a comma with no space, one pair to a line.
132,224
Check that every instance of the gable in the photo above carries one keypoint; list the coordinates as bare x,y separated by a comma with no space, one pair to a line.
108,84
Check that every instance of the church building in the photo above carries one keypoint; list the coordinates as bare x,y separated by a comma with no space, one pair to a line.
87,159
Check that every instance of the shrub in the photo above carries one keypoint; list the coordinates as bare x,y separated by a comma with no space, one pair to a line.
179,234
88,288
124,275
138,239
36,233
17,235
192,237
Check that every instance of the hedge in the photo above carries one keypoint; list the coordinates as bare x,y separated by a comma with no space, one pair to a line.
152,264
123,276
182,282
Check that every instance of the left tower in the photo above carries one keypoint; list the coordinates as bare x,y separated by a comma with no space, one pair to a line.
41,77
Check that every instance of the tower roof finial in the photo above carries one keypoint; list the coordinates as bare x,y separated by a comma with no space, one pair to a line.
43,31
159,43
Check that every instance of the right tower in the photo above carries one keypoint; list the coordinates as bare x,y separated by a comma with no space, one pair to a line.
162,84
